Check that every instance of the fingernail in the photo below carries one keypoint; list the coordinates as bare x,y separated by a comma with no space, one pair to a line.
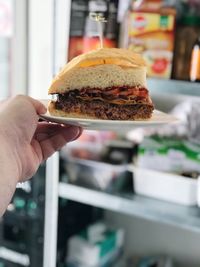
79,132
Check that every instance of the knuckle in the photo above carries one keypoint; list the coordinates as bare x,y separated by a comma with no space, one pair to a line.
20,98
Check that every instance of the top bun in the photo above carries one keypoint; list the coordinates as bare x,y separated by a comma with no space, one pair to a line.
101,68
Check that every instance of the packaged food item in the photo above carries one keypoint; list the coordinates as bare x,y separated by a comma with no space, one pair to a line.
97,245
150,30
195,62
79,11
166,186
89,174
188,26
89,146
84,32
169,154
80,45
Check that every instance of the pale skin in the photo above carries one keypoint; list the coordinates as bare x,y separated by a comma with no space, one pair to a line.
25,143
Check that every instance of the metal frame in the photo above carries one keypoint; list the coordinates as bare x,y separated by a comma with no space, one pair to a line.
51,211
61,21
40,73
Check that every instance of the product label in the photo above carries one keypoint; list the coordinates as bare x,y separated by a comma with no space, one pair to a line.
164,154
152,34
149,22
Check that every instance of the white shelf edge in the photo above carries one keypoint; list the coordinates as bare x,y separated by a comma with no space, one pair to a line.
187,218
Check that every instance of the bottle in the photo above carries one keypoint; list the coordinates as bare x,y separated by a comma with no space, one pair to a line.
188,25
195,62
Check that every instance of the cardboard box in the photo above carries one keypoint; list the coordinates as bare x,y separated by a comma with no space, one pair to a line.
152,34
95,246
169,155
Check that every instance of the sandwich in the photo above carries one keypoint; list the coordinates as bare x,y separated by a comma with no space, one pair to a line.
107,83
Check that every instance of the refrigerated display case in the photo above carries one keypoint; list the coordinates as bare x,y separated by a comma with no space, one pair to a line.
27,65
170,216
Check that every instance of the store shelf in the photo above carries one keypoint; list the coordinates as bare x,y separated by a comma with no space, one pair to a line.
130,204
165,86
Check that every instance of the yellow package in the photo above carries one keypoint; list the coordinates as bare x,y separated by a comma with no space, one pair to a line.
152,34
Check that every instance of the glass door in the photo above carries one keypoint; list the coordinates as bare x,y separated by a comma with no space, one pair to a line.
4,66
12,47
6,33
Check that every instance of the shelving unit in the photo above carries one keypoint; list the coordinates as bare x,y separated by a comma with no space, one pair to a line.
134,205
182,217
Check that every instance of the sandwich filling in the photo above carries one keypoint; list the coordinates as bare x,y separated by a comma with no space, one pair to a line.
113,103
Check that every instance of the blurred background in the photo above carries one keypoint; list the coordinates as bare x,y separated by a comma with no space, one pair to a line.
109,198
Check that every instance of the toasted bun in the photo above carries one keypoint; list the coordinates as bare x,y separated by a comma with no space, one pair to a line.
101,68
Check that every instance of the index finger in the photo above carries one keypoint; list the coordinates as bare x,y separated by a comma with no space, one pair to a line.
38,105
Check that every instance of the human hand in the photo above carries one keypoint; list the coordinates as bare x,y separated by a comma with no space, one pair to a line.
26,142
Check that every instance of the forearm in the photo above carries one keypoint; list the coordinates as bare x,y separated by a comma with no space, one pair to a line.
8,175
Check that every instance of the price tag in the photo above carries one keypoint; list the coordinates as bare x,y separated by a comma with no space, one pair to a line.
6,18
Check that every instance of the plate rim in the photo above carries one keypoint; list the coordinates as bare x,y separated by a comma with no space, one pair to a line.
166,119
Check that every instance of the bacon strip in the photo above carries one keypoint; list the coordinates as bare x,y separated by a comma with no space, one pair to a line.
118,95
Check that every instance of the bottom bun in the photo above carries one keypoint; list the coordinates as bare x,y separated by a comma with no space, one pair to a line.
100,110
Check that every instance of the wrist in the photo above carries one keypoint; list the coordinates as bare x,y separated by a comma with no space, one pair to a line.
8,164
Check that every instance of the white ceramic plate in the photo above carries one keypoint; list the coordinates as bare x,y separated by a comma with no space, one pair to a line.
158,118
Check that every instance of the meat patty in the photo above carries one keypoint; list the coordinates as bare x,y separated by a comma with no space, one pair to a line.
103,109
